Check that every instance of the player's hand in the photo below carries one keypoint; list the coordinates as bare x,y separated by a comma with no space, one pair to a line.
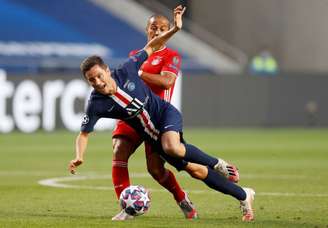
74,164
177,15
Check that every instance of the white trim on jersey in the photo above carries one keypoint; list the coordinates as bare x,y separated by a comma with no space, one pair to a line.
124,99
167,95
121,103
160,49
147,129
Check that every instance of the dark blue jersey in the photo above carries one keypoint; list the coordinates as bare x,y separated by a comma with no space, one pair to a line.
133,103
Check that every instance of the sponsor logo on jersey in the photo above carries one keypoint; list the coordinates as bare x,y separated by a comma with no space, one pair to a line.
85,119
134,108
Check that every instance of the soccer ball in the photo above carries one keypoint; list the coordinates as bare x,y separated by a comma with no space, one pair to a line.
135,200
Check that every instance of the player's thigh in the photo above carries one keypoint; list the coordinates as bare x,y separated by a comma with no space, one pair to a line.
125,141
155,164
171,144
124,147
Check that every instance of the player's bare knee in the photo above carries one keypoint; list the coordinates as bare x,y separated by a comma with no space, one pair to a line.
171,149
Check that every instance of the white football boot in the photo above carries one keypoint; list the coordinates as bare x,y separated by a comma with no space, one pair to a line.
121,216
227,170
246,205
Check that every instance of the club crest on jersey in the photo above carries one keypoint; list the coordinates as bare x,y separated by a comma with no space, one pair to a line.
131,86
85,119
156,61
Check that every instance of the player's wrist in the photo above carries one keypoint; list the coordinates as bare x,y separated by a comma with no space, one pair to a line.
176,28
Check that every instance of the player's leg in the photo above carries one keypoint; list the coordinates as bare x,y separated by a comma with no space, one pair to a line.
173,146
123,147
125,142
217,182
155,166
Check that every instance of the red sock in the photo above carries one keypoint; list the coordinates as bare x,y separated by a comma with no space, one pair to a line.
169,182
120,176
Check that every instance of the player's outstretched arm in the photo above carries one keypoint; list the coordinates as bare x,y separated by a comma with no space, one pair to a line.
159,41
80,148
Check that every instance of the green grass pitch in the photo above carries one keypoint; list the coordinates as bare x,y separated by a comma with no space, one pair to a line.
288,168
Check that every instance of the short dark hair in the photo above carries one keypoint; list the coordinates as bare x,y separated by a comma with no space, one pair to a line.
158,16
91,61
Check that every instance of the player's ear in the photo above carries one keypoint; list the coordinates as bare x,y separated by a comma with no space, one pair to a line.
108,71
146,29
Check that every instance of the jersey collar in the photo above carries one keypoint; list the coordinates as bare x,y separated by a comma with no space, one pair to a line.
160,49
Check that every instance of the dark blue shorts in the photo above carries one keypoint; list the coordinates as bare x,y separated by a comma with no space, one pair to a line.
171,120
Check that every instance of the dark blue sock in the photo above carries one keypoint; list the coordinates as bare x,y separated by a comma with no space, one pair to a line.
195,155
217,182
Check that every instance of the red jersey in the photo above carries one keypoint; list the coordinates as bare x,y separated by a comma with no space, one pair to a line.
164,60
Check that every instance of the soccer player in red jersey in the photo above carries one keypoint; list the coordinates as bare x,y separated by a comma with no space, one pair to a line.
159,72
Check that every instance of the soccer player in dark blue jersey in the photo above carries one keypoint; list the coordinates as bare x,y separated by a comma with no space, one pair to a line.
121,94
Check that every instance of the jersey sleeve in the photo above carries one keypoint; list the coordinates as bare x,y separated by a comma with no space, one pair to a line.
133,52
89,119
172,64
136,60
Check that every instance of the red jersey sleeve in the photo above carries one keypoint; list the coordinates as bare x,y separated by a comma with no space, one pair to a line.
172,63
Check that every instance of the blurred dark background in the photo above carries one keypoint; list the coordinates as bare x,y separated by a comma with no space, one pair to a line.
256,63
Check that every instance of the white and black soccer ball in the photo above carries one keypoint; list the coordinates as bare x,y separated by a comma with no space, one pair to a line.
135,200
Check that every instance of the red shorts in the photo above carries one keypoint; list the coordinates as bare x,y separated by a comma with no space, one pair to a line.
122,129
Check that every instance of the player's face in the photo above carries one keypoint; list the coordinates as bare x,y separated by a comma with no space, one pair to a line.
156,26
99,79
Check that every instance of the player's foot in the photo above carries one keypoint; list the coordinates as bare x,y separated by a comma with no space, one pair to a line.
188,208
228,170
122,215
246,205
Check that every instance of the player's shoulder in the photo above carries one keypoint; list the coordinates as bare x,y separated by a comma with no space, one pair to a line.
96,102
95,97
